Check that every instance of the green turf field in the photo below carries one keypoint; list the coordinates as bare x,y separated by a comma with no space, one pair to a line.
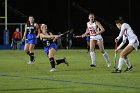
18,77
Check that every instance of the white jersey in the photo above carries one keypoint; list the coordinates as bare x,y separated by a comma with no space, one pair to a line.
127,33
93,28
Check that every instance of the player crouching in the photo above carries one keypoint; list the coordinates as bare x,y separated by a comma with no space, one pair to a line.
48,40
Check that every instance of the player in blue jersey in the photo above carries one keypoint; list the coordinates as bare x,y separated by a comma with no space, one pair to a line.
50,48
30,38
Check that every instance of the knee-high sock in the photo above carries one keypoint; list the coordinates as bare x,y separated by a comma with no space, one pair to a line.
31,56
92,55
127,62
52,62
120,63
105,55
59,61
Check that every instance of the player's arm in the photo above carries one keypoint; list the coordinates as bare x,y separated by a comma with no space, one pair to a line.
25,33
120,34
44,35
122,43
86,32
100,27
48,36
37,30
54,37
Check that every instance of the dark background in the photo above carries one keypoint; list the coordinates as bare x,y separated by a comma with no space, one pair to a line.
62,15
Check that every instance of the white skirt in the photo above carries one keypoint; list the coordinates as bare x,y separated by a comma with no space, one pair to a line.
134,43
97,37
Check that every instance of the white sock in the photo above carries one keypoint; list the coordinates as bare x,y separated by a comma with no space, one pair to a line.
127,62
120,63
92,55
105,55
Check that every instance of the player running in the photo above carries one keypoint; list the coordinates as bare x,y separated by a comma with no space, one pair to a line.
50,48
30,38
95,29
127,33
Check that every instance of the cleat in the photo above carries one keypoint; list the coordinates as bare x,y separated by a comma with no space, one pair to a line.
66,62
93,65
108,64
53,70
30,62
128,69
117,71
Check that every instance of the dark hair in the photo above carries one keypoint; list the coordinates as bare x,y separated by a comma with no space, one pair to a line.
120,20
28,22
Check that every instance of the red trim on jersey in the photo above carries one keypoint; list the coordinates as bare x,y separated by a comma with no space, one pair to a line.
135,41
126,34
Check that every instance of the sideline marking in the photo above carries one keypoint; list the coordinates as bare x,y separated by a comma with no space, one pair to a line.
84,83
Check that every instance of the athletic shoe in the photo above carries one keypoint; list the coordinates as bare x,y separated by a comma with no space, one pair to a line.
108,64
53,70
30,62
117,71
93,65
128,69
66,62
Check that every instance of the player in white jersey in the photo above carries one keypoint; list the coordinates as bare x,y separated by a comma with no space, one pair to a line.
127,33
95,29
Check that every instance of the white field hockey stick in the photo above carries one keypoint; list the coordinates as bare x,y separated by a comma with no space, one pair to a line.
115,56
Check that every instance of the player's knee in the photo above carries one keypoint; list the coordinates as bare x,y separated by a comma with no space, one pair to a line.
92,50
27,52
102,51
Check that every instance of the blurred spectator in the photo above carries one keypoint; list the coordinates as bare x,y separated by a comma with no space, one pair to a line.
68,39
16,39
59,41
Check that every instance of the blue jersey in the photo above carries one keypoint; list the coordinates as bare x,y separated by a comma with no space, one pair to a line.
31,36
53,45
48,44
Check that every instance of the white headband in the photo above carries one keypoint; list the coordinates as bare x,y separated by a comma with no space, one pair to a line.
42,26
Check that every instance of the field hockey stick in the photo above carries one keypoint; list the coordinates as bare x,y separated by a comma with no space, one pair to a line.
65,33
71,30
80,36
115,56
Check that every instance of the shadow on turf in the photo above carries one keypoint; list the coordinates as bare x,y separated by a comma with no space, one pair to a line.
81,69
91,68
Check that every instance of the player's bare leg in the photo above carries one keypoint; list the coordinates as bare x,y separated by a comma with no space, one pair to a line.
105,55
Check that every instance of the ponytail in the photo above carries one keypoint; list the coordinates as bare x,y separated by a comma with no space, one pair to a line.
120,20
